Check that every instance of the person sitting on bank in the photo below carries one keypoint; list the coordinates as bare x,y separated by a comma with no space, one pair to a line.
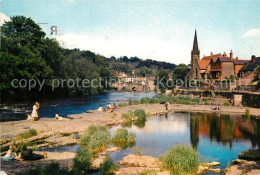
27,154
114,106
57,117
167,105
100,108
10,155
35,113
109,106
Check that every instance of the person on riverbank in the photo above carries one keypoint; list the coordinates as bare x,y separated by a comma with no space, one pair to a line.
35,113
27,154
10,155
57,117
167,106
113,106
130,101
109,106
100,108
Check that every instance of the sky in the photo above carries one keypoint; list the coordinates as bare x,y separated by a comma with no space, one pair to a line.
159,30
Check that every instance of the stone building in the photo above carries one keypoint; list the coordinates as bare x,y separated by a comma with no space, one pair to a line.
218,66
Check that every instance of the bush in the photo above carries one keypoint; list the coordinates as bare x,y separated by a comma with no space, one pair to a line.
96,138
132,137
181,159
135,102
122,105
121,135
154,100
108,167
82,160
226,104
140,113
27,134
205,99
148,172
50,169
137,151
247,112
129,116
145,100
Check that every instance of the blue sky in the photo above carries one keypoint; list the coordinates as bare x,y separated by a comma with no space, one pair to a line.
161,30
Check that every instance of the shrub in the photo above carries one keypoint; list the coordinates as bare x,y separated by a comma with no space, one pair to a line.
226,104
181,159
148,172
108,167
132,137
205,99
122,105
145,100
27,134
135,102
121,135
82,160
50,169
137,151
140,113
154,100
247,112
129,116
96,138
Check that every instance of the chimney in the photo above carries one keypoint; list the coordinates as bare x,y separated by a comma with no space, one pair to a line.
253,58
231,54
236,58
224,54
211,53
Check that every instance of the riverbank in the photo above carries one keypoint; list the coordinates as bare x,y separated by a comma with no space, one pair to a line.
53,133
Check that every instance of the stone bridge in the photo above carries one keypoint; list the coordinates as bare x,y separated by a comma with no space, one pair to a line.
130,86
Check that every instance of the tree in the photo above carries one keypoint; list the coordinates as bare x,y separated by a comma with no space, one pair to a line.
162,79
180,72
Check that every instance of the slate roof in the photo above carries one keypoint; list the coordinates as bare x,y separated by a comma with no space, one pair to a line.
251,66
240,62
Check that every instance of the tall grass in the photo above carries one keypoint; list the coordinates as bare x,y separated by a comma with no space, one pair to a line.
50,169
154,100
131,137
145,100
129,116
108,167
181,159
122,105
226,104
247,113
140,113
135,102
26,134
82,160
121,135
96,138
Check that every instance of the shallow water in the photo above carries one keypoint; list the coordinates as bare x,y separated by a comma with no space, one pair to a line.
216,137
68,106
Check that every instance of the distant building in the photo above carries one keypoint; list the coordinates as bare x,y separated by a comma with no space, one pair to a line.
218,66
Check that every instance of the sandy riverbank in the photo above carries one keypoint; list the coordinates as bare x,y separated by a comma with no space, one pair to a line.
57,133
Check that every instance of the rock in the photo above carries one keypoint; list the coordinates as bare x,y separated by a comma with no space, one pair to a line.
237,161
250,155
96,163
217,170
212,164
202,169
132,160
206,167
113,149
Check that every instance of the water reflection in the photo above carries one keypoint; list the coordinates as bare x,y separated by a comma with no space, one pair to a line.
224,129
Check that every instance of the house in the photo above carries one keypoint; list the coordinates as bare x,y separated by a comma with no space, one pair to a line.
250,66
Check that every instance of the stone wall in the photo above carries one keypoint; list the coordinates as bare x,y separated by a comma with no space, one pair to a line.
227,69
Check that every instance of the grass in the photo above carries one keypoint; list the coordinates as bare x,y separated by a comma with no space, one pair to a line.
181,159
26,134
140,113
121,135
108,167
154,100
148,172
82,160
4,141
145,100
96,138
226,104
122,105
135,102
129,116
131,137
137,151
247,113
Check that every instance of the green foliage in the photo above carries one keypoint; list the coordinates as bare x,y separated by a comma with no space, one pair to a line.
135,102
121,135
154,100
26,134
140,113
205,99
132,137
137,151
180,72
108,167
82,160
50,169
226,104
145,100
148,172
122,105
129,116
247,112
161,79
4,141
181,159
96,138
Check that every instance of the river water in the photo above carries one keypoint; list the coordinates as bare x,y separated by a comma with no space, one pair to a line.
18,111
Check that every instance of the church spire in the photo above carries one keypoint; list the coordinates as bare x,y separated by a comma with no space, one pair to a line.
195,44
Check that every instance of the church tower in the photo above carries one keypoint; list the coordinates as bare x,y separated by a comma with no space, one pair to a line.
195,55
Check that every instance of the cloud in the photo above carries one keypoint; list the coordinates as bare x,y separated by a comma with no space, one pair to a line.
3,18
142,47
253,33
